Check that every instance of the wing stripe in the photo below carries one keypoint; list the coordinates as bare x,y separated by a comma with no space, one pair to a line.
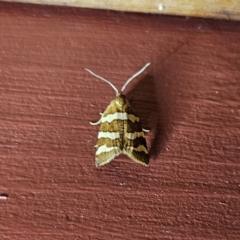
119,116
105,148
134,135
140,148
111,135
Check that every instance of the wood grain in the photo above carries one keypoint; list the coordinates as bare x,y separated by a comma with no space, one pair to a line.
189,98
223,9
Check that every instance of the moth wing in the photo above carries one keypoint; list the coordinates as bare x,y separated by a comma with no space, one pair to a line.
109,140
106,155
135,145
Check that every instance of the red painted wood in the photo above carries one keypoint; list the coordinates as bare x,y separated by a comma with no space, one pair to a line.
189,97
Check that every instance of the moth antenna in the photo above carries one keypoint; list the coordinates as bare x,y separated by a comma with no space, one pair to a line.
133,76
105,80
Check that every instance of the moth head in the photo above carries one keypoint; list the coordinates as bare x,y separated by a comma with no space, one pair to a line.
120,98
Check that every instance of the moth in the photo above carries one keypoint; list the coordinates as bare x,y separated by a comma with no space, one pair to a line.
120,129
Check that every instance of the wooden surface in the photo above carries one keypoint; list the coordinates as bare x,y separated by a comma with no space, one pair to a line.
224,9
189,97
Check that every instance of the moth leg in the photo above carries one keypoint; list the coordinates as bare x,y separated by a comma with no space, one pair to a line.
145,130
98,122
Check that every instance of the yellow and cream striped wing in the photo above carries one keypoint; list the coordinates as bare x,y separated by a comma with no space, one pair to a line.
134,141
110,135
